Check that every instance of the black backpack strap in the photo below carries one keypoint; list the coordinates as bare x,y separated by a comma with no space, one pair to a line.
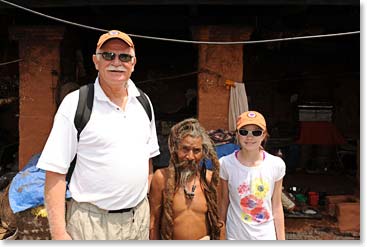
145,103
84,109
82,116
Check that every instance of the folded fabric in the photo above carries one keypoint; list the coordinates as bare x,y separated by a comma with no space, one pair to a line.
237,104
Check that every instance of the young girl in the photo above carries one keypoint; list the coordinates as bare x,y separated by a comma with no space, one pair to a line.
251,181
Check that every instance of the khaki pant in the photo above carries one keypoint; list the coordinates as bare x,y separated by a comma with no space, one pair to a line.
85,221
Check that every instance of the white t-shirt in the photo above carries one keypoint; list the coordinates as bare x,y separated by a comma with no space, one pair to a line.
113,151
249,215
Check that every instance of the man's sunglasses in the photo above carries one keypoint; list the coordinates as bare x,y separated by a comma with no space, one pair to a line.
109,56
244,132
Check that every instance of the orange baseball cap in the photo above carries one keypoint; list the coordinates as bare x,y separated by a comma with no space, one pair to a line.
114,34
251,117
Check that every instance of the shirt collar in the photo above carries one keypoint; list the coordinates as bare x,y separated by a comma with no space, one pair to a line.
100,94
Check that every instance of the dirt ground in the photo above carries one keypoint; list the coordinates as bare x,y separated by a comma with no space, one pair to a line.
325,228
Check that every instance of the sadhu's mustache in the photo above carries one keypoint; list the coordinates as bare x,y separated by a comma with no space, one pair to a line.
186,163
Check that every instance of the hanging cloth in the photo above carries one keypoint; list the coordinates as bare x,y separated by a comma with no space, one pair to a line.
237,103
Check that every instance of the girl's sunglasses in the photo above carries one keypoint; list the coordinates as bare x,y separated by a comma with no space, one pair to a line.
244,132
109,56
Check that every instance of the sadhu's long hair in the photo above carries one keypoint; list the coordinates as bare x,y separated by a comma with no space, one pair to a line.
191,127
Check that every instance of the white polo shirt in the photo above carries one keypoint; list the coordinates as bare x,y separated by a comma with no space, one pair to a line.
113,151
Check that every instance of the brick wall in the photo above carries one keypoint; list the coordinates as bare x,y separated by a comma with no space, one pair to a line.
218,63
38,76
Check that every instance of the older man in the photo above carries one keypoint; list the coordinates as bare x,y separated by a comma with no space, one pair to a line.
184,196
111,179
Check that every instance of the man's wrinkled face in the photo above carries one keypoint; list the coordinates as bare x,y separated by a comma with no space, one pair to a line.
115,71
190,152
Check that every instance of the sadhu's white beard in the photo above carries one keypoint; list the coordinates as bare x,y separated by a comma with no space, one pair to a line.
189,170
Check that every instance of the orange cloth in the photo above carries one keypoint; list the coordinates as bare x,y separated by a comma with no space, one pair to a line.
321,133
229,84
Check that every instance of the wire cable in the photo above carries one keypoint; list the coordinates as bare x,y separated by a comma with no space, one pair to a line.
10,62
186,41
53,18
